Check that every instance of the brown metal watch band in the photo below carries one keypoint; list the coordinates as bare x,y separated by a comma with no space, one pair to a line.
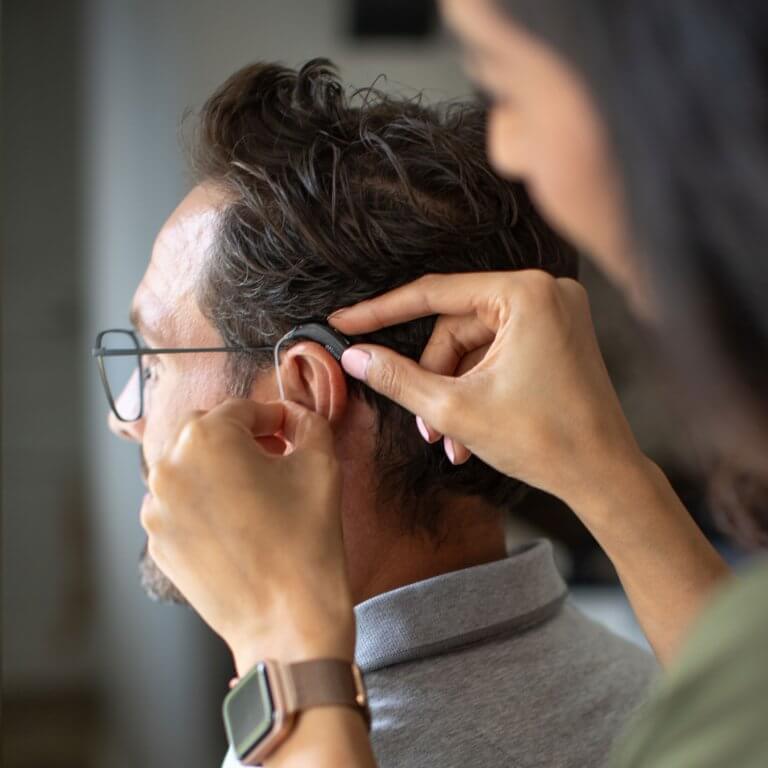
323,683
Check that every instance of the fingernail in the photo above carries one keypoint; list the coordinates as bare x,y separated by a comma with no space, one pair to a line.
450,450
337,313
355,363
423,428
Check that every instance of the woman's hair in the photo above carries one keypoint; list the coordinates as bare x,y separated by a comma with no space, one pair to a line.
335,197
682,88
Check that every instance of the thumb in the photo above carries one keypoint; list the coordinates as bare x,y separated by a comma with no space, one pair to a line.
398,378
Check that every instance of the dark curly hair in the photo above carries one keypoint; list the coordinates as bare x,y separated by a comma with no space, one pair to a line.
336,197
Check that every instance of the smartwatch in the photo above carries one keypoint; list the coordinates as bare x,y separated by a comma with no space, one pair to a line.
261,710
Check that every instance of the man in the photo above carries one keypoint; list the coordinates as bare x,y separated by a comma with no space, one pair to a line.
307,201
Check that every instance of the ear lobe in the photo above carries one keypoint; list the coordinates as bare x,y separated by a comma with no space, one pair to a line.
313,378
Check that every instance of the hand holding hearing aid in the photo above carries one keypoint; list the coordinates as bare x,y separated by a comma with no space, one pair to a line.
511,373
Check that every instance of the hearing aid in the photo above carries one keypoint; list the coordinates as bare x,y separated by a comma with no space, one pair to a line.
332,340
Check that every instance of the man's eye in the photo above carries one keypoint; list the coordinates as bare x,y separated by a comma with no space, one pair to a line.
149,372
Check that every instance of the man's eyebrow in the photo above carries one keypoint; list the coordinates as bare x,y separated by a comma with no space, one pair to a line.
137,322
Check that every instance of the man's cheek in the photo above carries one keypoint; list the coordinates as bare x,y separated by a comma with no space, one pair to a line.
201,387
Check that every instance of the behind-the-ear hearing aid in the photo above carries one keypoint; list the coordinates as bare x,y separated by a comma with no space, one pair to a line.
332,340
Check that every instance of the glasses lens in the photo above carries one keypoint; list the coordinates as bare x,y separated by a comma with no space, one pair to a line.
123,374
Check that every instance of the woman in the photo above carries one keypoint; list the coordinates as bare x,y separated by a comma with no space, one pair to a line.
639,130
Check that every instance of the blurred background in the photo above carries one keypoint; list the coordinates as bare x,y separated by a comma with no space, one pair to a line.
93,92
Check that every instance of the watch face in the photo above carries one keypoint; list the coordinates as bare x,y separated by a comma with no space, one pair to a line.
249,711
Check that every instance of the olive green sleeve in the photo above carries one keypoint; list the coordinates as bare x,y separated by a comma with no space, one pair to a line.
711,710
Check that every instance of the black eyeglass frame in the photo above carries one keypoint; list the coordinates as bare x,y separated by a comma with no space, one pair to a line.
99,352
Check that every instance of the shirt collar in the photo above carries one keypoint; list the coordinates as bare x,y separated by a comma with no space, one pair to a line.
471,605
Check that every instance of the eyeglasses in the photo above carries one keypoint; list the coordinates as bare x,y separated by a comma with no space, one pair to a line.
119,354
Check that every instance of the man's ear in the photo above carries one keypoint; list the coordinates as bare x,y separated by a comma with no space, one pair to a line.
313,378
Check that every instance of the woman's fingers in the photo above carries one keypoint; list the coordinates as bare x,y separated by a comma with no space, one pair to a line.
459,294
402,380
453,338
422,392
472,307
523,385
430,434
457,452
454,349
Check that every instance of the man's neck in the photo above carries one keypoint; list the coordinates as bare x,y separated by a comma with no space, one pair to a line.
382,560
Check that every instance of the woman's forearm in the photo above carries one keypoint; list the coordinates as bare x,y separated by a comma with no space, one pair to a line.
667,566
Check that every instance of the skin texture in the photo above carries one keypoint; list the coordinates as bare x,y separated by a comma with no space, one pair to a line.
378,555
496,334
556,145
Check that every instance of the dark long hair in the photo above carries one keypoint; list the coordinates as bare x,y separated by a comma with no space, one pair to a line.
682,88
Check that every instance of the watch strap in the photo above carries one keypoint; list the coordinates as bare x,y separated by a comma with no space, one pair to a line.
325,682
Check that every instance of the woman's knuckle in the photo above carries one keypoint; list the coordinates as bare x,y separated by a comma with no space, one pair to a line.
574,290
536,292
447,404
542,286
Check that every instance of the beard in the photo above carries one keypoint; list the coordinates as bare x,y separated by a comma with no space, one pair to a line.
155,583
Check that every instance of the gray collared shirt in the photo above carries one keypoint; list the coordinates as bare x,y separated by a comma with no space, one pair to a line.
491,666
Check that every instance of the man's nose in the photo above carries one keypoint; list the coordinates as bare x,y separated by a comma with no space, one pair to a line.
127,402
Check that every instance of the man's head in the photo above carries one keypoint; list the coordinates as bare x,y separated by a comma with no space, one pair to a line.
309,200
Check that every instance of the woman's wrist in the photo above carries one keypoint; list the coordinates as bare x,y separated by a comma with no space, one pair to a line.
632,511
642,520
602,496
667,566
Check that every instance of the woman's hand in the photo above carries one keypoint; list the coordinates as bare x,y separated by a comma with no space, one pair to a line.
252,537
512,373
